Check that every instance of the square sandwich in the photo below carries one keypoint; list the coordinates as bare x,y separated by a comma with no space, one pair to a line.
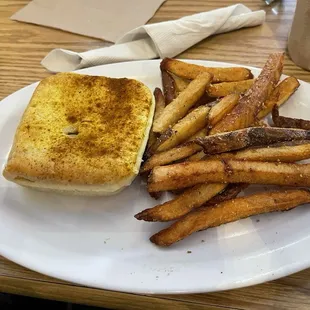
82,134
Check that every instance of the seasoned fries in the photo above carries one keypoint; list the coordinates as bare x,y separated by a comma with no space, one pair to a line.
212,143
253,136
168,87
181,205
180,83
285,152
190,71
180,106
186,127
288,122
186,150
177,153
227,88
230,192
200,134
198,156
159,107
223,107
279,95
217,112
230,211
228,171
245,113
160,140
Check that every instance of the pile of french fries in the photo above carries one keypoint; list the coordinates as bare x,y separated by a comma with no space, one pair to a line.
209,142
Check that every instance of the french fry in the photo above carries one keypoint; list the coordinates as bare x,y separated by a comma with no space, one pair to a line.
260,123
198,156
228,171
180,83
253,136
227,88
164,158
203,100
217,112
219,89
260,89
186,127
181,205
230,211
224,106
245,112
160,140
285,152
288,122
190,71
168,86
279,95
200,134
230,192
183,151
159,107
180,105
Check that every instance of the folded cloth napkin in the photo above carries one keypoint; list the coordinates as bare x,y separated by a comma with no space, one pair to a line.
166,39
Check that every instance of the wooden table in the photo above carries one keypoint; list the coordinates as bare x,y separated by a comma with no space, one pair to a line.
22,46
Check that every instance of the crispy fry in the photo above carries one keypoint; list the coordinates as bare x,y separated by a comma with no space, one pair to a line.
227,88
217,112
160,140
181,205
204,100
200,134
285,152
228,171
260,123
181,152
243,115
230,192
223,107
164,158
253,136
180,83
155,195
198,156
288,122
168,86
159,107
180,105
230,211
245,112
190,71
186,127
279,95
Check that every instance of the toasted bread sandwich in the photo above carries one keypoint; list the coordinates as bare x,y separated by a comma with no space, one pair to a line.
82,134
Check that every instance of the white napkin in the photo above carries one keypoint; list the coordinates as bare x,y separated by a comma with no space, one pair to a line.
166,39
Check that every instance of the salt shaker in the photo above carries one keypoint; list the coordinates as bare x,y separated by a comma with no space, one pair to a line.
299,37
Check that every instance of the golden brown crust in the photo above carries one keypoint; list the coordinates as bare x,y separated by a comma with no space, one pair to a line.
245,112
188,174
191,71
230,211
109,117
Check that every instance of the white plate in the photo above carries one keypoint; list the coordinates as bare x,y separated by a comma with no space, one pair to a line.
97,241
